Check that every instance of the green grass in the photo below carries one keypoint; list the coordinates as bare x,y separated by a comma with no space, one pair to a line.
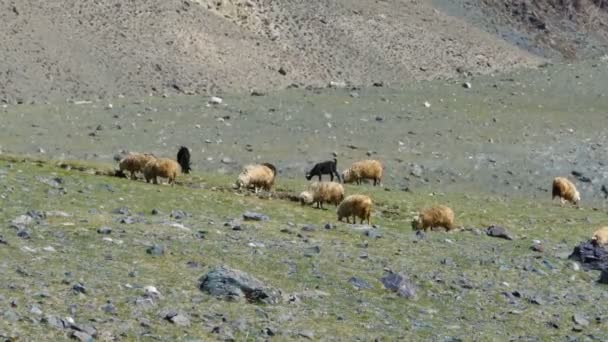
328,305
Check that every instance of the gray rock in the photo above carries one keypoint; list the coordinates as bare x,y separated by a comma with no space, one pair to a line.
499,232
252,216
604,277
52,182
36,215
10,316
306,334
104,230
579,319
590,256
85,328
309,228
372,233
109,308
359,283
36,310
230,284
329,226
155,211
22,220
129,220
82,336
156,250
416,170
400,284
55,322
227,160
79,288
311,251
121,211
179,320
24,233
179,214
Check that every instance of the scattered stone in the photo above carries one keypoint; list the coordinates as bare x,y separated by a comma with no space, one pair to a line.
214,100
82,336
580,320
499,232
337,84
104,230
590,256
537,247
257,93
227,160
3,241
36,310
417,170
378,84
52,182
156,250
309,228
311,251
427,104
282,71
329,226
359,283
22,220
306,334
129,220
252,216
79,288
109,308
178,319
466,85
231,284
179,214
121,211
604,276
155,211
55,322
400,284
36,215
24,233
372,233
579,175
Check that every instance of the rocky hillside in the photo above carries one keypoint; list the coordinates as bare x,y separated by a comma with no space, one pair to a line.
75,49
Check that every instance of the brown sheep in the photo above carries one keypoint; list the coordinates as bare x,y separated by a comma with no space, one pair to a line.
600,237
364,169
438,216
164,168
261,176
135,162
565,190
355,206
330,192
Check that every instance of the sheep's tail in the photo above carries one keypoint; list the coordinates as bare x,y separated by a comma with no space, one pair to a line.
183,158
271,167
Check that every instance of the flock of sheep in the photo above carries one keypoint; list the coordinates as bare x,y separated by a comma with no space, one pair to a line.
262,177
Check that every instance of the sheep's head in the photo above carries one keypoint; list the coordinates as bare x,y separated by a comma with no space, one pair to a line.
243,180
347,176
417,222
577,197
305,198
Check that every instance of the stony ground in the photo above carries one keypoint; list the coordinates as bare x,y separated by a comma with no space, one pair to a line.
92,256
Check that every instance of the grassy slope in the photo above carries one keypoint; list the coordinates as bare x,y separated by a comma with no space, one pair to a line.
444,307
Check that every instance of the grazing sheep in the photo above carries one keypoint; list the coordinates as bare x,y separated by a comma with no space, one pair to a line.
600,237
259,176
330,192
327,167
183,158
565,190
135,162
164,168
364,169
355,206
438,216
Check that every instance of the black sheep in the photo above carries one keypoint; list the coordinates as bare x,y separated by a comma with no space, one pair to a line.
327,167
183,158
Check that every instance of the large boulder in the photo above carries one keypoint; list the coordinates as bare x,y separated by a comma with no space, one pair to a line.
230,284
590,256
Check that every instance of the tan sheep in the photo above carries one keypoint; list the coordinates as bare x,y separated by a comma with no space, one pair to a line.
565,190
600,237
438,216
164,168
135,162
364,169
321,192
355,206
261,176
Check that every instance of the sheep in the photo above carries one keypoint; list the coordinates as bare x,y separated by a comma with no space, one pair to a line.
565,190
135,162
183,158
438,216
327,167
600,237
364,169
330,192
355,206
162,167
259,176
